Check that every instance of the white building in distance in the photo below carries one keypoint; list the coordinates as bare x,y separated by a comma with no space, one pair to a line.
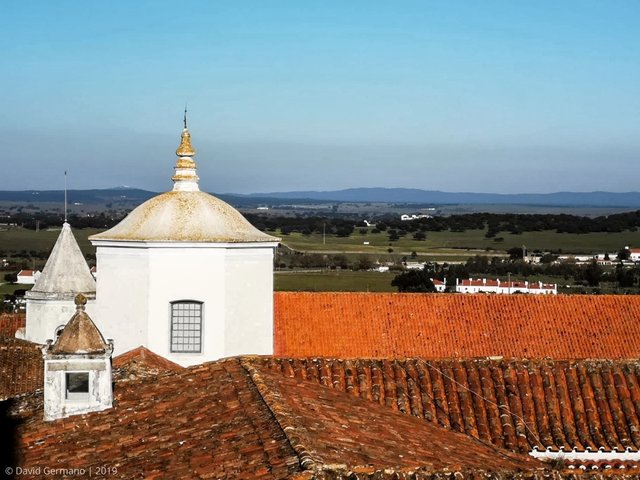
483,285
27,277
186,275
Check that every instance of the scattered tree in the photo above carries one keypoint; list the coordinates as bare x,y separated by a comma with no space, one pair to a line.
11,277
413,281
593,274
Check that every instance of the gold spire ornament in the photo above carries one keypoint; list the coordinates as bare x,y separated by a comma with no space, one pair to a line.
185,149
185,177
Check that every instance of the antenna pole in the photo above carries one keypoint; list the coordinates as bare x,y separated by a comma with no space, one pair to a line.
65,196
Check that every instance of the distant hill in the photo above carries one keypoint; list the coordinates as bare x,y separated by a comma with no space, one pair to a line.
127,195
412,195
123,196
82,196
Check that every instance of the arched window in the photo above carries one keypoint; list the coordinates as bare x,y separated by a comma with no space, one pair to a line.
58,331
186,326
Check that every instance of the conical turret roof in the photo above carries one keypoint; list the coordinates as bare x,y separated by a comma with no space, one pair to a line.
66,272
80,335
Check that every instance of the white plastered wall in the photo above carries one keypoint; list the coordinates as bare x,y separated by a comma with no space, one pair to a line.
137,283
187,274
122,290
100,393
45,315
249,300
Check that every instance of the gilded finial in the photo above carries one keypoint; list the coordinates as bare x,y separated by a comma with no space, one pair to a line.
80,301
185,149
185,178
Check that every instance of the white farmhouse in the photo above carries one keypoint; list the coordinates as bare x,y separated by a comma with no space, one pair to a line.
27,277
484,285
186,275
439,285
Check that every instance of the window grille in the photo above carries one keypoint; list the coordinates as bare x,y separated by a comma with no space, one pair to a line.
186,327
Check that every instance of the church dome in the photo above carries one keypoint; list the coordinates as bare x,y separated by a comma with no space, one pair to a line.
179,216
185,214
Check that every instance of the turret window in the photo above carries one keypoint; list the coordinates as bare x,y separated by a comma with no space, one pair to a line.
77,386
58,331
186,326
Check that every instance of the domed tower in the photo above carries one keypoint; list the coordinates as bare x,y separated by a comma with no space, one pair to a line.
186,275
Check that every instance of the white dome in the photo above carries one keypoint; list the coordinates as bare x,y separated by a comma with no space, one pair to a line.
185,214
182,216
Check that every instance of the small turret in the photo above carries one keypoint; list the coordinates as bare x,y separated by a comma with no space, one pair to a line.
77,368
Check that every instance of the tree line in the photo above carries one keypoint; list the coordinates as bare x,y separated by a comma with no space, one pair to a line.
493,223
343,225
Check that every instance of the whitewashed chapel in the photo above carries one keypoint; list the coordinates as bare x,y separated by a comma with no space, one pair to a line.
184,274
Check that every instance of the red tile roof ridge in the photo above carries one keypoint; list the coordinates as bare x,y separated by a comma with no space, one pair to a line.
437,294
280,413
312,459
497,359
428,474
555,404
147,357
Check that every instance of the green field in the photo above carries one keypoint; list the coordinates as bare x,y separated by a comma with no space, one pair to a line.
10,288
464,244
443,246
17,239
334,281
439,246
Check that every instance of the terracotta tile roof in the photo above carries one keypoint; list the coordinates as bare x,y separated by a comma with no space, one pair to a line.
329,427
21,367
11,322
422,474
144,357
570,405
237,419
207,422
516,405
345,325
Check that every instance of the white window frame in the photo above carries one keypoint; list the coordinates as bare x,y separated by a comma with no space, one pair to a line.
77,396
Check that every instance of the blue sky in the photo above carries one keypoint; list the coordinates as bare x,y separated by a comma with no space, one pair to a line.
484,96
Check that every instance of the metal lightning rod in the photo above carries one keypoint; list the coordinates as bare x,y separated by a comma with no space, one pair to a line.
65,196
